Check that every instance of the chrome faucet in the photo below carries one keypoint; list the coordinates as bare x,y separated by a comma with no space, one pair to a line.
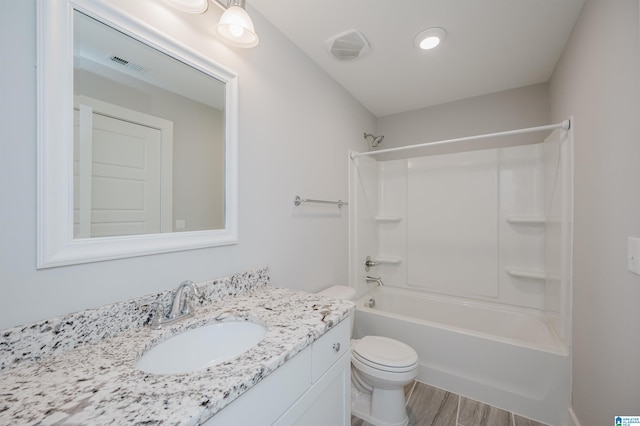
180,305
377,280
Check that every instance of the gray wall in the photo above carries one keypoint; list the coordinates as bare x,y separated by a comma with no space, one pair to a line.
510,109
598,81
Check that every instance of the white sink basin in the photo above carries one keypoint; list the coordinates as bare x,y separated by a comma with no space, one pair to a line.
202,347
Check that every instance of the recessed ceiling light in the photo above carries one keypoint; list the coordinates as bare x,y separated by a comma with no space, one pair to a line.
429,38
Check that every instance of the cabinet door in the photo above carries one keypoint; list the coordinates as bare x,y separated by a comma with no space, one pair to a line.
265,402
328,401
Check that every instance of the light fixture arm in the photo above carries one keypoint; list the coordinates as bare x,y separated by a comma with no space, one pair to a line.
239,3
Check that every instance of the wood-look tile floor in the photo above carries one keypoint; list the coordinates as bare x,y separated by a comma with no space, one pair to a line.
430,406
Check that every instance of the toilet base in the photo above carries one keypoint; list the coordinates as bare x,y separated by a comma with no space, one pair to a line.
361,407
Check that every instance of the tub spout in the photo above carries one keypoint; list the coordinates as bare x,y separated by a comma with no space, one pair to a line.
377,280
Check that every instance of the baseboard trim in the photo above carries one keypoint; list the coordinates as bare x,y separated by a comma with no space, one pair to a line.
573,420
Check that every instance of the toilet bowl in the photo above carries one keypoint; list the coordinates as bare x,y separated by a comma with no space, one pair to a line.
381,367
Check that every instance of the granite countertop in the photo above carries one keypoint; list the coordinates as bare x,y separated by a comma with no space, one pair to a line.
97,382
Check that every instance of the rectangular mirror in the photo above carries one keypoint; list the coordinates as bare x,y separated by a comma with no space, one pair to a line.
137,139
148,138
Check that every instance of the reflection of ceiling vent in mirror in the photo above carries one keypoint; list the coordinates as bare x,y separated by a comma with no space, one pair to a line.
348,45
128,64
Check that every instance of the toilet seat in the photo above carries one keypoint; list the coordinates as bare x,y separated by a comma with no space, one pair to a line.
382,353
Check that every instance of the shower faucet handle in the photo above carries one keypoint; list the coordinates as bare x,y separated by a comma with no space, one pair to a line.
368,264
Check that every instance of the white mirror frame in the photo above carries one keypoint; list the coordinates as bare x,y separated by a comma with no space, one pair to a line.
55,243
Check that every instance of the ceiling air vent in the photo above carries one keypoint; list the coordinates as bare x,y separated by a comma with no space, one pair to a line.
348,45
128,64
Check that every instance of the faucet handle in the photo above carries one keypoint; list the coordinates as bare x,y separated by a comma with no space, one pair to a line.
369,263
158,316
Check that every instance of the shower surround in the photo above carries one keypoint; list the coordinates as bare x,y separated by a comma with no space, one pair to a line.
487,228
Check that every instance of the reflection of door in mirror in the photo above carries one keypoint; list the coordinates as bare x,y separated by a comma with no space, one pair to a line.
122,171
114,69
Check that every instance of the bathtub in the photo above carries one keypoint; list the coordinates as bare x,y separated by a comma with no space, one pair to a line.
509,358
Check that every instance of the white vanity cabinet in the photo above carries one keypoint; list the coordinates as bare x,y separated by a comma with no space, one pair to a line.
313,388
328,399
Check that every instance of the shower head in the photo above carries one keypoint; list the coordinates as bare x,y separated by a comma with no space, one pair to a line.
375,140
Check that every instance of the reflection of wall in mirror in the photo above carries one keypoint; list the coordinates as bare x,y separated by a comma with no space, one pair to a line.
198,163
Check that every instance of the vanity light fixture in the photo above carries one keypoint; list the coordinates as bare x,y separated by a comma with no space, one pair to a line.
189,6
429,38
236,27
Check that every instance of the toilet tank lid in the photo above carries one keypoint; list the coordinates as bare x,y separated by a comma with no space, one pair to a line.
339,292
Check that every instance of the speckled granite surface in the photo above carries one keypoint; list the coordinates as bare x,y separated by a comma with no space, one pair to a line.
80,369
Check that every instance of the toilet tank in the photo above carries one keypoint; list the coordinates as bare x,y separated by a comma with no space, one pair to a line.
342,292
339,292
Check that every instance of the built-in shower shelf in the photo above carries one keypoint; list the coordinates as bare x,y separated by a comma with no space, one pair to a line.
526,273
526,220
388,219
389,260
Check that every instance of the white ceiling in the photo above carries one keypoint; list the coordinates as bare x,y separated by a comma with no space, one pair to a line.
491,45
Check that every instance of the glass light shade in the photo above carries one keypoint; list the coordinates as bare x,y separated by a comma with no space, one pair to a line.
189,6
236,28
429,38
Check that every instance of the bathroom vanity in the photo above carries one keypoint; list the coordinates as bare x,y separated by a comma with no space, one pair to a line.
313,388
81,368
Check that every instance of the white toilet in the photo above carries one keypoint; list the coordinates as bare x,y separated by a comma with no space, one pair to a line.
381,367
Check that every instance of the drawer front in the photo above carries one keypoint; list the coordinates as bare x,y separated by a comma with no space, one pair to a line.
329,348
